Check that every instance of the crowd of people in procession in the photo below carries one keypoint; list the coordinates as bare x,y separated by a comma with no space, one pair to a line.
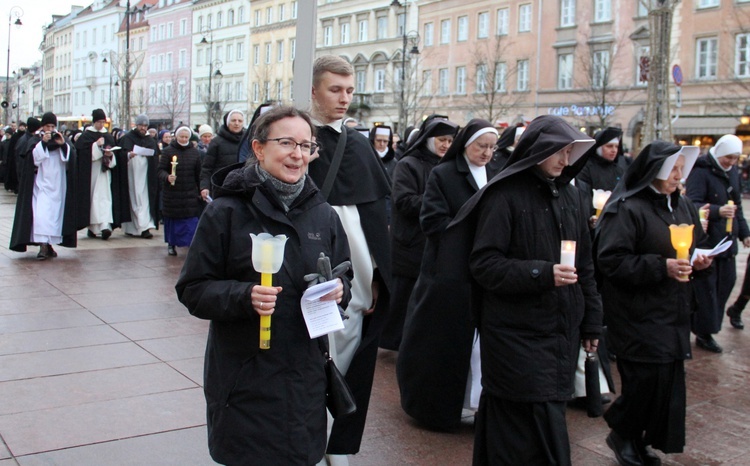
446,243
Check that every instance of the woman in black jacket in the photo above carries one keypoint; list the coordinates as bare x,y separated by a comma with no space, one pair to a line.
439,338
409,180
223,149
648,300
180,190
265,407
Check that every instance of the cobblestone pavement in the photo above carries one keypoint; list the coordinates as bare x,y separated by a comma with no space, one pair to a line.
101,365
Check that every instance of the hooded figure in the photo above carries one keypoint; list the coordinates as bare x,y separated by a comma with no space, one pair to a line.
378,136
533,312
607,166
438,334
223,149
245,150
506,143
407,239
714,182
648,300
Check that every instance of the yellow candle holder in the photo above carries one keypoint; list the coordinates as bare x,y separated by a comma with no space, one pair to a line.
682,239
267,257
729,220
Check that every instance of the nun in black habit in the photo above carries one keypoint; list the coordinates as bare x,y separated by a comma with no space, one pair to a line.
407,239
439,332
648,300
533,312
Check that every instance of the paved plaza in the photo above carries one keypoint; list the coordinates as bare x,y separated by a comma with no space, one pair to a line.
101,365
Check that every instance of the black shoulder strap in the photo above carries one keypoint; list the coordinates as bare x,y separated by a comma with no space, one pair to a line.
335,163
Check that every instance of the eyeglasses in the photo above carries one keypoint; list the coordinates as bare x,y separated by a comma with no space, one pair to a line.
290,144
485,147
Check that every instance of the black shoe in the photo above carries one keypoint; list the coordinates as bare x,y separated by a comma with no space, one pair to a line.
648,457
43,253
606,399
51,252
171,250
147,234
106,234
90,234
625,451
735,318
708,343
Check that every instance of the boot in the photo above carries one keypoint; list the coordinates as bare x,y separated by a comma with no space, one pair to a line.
735,312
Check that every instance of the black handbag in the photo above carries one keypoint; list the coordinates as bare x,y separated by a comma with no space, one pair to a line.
593,390
339,399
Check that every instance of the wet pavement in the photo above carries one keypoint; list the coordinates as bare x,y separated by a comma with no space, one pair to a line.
101,365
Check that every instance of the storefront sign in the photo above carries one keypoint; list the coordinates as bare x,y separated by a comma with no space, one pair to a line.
582,111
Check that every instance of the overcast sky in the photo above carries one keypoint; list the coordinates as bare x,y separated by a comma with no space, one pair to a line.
25,39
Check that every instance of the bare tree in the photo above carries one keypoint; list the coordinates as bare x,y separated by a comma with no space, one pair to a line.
119,65
418,88
491,98
174,101
600,66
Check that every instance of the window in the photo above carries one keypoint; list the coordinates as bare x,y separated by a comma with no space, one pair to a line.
522,82
241,14
429,32
280,51
360,81
643,8
294,10
240,51
230,18
602,10
705,58
461,80
291,89
269,15
200,23
199,58
427,82
238,90
183,27
382,27
152,93
445,31
463,29
152,64
282,14
256,54
483,25
362,34
401,24
742,56
104,34
327,36
230,52
209,20
84,40
707,3
93,37
565,71
257,17
161,62
524,18
219,52
198,93
568,13
169,61
344,33
181,92
481,79
256,92
600,69
294,49
279,90
380,80
443,81
170,30
183,58
228,89
502,22
268,52
644,59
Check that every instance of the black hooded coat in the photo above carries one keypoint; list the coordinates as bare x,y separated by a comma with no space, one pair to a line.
600,173
222,151
433,361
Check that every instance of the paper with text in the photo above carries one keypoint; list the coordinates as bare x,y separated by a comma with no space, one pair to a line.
140,150
321,317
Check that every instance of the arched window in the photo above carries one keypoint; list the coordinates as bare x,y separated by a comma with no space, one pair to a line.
230,18
218,19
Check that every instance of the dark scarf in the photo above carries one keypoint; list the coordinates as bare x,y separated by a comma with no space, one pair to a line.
286,192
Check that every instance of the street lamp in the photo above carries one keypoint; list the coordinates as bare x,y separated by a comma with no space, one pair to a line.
109,104
407,38
15,12
127,77
212,64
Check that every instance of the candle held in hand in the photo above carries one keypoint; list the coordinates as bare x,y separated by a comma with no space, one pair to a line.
568,253
729,220
174,168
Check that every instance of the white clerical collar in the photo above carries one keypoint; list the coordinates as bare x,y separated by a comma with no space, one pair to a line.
91,128
478,173
336,124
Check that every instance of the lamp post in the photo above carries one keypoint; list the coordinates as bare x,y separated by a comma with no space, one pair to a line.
109,103
212,64
407,37
15,12
127,77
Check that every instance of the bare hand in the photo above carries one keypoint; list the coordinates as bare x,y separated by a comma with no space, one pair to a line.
171,179
335,295
702,262
746,242
375,292
264,299
564,275
592,221
679,269
727,211
100,142
131,155
590,346
46,136
204,194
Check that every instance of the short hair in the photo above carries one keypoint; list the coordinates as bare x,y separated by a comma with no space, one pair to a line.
262,126
333,64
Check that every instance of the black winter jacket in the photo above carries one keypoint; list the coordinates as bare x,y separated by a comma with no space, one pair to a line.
183,200
264,407
221,152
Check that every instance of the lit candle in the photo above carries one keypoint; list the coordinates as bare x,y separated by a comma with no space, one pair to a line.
729,220
600,199
174,167
568,253
682,238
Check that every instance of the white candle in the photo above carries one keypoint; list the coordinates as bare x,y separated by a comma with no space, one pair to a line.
568,253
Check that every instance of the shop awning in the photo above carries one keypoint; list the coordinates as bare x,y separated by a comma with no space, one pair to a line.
705,126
